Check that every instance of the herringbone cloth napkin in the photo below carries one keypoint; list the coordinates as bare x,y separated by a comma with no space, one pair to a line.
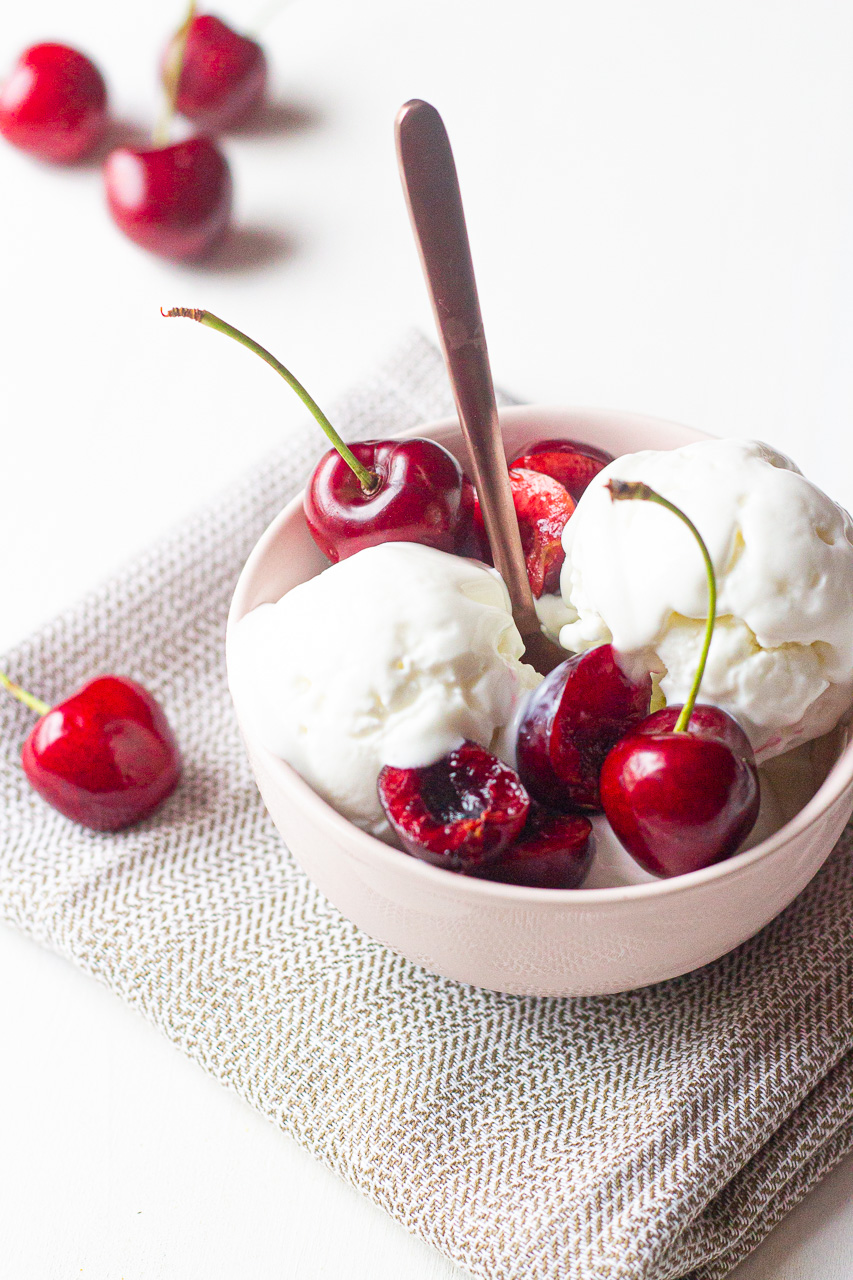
646,1135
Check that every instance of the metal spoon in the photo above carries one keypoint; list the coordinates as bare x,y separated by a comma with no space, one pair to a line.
438,221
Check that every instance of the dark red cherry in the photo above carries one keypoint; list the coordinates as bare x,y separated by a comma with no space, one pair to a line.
420,496
554,851
681,801
54,103
571,462
542,508
459,813
471,539
571,721
173,200
223,77
104,757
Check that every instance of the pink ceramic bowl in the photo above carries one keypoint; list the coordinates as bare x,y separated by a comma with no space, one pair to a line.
537,941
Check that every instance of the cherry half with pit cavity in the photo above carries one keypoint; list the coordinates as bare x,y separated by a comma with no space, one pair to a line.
376,490
460,813
571,721
54,103
681,790
223,75
106,757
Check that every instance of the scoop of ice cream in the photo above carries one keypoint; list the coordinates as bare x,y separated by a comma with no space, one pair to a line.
392,656
781,660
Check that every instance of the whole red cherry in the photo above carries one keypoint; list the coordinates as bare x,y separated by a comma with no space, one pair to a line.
681,789
459,813
54,103
419,496
105,757
571,721
681,801
554,851
376,490
173,200
223,76
572,462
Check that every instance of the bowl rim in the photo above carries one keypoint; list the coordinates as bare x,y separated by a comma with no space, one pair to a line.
840,776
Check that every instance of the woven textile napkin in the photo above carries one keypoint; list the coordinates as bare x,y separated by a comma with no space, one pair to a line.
650,1135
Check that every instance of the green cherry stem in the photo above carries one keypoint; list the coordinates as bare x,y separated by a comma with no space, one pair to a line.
34,704
627,490
174,67
366,478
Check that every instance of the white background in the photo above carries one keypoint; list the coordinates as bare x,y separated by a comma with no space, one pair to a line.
660,199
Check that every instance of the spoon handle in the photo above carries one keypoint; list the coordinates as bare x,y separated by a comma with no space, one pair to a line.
438,220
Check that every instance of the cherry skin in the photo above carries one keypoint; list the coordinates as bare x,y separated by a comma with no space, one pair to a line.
571,462
554,851
54,103
459,813
223,77
105,757
571,721
681,801
542,508
174,200
420,497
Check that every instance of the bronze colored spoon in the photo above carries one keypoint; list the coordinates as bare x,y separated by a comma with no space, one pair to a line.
438,221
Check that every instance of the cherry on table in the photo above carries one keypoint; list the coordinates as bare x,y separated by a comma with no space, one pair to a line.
571,721
681,801
460,813
105,757
554,851
54,103
223,76
173,200
572,462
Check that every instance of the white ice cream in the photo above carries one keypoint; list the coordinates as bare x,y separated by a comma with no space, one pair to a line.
781,660
393,656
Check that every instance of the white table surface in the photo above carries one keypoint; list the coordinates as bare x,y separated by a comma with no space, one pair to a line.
660,198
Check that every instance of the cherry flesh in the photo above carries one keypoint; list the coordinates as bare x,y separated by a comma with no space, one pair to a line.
420,496
554,851
223,76
460,813
681,801
572,462
54,103
105,757
571,721
542,508
173,200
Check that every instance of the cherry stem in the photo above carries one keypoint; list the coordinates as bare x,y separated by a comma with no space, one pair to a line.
624,489
174,67
34,704
368,479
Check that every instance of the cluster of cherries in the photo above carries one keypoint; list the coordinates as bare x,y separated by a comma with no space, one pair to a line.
679,787
173,198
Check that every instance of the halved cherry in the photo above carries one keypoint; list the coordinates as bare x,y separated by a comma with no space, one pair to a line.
459,813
